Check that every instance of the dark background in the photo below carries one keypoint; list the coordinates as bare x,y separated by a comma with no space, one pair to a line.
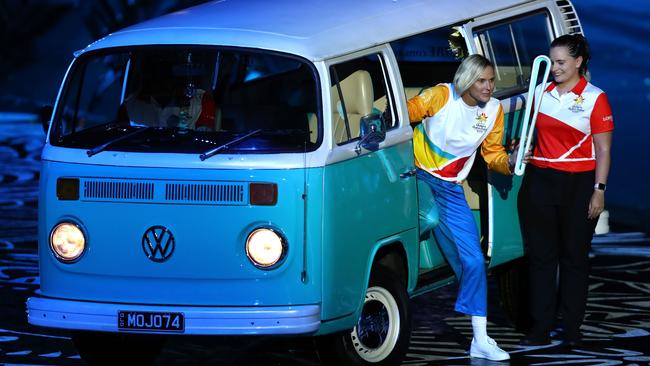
38,39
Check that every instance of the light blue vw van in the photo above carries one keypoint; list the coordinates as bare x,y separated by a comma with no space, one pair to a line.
246,168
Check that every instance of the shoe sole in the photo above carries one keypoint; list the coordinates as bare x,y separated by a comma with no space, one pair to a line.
480,355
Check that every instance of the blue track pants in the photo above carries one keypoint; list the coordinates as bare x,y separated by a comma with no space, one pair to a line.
457,236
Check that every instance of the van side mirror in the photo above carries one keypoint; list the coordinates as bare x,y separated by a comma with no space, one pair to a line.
45,115
372,131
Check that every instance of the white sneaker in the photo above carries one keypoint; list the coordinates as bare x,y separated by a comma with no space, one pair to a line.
488,350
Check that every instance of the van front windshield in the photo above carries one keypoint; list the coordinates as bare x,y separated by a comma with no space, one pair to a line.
188,100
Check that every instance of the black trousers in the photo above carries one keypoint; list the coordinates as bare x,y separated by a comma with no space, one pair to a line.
553,207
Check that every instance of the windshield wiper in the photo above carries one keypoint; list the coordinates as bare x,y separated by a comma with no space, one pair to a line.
216,150
102,147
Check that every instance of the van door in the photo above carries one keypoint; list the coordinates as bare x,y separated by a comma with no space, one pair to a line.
369,195
511,40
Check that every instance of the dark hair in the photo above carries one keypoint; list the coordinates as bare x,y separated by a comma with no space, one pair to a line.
577,46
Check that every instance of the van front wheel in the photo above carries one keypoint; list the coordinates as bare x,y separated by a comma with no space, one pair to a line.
383,331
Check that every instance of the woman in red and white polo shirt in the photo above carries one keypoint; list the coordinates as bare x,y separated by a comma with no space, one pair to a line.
563,191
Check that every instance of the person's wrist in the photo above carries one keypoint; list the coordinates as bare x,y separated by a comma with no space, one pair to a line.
600,187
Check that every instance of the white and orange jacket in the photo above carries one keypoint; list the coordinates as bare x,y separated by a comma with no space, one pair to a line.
451,131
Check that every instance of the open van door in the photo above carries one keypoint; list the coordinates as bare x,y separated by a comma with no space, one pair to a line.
511,40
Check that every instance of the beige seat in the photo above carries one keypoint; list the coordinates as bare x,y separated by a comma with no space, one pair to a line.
473,199
358,96
380,103
411,92
312,120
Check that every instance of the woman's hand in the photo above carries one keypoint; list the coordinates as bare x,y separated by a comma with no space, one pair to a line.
512,159
596,204
602,145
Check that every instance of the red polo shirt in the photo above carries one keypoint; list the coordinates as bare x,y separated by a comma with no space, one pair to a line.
565,125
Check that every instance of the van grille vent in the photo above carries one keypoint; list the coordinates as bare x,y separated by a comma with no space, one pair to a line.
117,190
570,16
221,193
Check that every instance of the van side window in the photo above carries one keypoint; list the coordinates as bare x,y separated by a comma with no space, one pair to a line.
512,47
429,58
358,88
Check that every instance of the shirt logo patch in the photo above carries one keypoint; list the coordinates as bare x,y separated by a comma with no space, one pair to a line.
577,104
480,126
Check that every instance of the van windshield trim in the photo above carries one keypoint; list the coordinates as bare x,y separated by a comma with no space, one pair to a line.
60,134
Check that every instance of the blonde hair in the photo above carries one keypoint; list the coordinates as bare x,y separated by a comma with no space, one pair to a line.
468,72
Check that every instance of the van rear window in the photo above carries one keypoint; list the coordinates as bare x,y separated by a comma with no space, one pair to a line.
189,100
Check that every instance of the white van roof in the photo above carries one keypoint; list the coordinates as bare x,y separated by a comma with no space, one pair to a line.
314,29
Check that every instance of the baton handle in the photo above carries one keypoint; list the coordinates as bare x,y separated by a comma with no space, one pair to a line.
533,102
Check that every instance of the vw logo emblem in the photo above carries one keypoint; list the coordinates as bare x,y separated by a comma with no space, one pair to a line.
158,243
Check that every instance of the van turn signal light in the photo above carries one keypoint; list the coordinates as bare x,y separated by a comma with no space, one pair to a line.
67,189
263,194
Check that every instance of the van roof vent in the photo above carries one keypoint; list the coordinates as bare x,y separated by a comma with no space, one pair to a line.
570,16
230,193
113,189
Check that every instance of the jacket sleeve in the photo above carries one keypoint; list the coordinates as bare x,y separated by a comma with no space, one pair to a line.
492,149
428,103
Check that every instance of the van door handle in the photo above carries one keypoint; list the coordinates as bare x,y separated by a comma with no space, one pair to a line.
408,174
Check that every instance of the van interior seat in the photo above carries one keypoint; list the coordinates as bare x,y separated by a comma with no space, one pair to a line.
312,121
358,97
472,198
380,103
413,91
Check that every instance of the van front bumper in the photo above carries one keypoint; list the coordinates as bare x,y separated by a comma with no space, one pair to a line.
199,320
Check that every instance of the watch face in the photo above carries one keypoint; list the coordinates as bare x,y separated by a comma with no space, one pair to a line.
600,186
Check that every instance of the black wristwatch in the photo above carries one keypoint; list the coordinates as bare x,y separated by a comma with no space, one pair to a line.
600,186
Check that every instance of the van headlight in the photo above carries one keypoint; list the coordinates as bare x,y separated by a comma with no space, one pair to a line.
265,247
67,242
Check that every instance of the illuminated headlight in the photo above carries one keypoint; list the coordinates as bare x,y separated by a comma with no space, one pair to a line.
67,242
265,247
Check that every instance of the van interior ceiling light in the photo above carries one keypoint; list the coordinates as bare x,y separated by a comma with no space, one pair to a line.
264,247
67,241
